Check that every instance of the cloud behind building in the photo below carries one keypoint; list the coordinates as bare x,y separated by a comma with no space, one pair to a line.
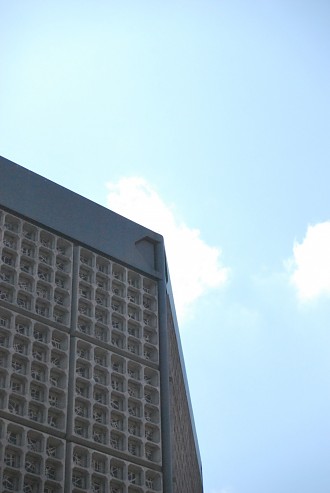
195,266
311,263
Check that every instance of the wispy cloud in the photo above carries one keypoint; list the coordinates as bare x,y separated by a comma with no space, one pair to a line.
311,263
195,266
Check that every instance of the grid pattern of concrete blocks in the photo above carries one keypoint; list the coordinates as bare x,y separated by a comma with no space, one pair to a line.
33,369
37,269
92,469
32,461
79,374
113,390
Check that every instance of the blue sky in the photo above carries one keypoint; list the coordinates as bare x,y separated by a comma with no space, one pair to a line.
214,115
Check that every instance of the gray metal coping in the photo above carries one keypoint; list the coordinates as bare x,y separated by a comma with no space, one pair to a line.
76,217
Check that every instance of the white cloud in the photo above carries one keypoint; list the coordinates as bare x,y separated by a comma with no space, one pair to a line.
135,199
311,275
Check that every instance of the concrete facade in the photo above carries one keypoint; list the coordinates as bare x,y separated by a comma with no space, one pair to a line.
187,473
93,393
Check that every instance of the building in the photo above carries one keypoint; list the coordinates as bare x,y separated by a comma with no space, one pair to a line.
93,392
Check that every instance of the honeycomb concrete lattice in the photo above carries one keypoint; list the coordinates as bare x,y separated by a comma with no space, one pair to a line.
79,368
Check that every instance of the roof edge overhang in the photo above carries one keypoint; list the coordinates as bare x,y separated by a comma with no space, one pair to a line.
44,202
